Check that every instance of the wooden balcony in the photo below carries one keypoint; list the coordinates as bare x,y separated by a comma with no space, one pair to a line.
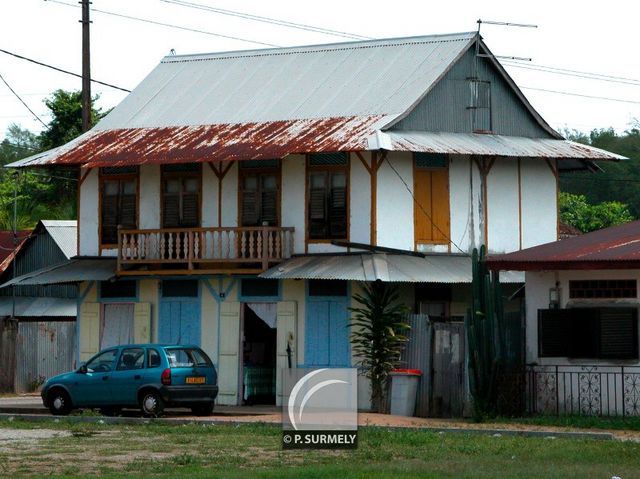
243,250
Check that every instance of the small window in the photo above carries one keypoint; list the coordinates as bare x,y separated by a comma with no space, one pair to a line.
180,289
153,359
259,287
132,358
430,160
119,208
181,168
181,195
118,289
119,170
329,159
481,105
327,287
603,288
248,164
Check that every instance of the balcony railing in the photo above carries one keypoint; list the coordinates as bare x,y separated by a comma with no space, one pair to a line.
200,250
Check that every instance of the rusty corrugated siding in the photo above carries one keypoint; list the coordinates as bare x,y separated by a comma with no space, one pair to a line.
617,247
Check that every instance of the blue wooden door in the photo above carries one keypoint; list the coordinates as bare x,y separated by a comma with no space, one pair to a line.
179,322
327,334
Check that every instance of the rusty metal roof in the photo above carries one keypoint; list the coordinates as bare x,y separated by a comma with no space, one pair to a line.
203,143
617,247
487,145
386,267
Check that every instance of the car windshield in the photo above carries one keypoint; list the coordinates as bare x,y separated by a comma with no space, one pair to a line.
103,362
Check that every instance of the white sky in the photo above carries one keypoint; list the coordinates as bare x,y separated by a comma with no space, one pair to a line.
578,35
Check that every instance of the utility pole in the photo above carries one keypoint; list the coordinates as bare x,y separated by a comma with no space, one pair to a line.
86,67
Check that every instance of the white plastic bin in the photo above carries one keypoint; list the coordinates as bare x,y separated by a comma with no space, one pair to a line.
404,389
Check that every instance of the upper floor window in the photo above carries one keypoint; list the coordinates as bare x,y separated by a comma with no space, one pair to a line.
259,183
181,195
119,204
481,105
327,194
431,191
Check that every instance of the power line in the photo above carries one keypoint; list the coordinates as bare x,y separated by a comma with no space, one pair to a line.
272,21
578,72
60,69
415,200
620,100
23,102
576,75
15,145
168,25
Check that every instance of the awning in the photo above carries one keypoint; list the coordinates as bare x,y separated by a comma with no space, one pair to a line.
487,145
393,268
72,271
32,307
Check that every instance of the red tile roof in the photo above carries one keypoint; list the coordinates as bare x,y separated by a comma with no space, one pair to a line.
617,247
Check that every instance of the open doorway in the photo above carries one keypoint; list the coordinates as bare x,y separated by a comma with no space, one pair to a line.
259,353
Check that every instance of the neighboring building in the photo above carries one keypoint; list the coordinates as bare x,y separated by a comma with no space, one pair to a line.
38,320
310,167
582,321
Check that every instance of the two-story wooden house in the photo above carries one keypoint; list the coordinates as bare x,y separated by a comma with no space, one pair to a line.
239,197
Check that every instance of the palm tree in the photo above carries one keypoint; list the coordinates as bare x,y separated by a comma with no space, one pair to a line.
376,337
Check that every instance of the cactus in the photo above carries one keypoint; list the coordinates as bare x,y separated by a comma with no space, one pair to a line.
485,336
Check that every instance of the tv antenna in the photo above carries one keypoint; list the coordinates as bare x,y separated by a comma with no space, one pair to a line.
502,24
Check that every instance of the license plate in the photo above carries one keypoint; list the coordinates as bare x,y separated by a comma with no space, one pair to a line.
196,380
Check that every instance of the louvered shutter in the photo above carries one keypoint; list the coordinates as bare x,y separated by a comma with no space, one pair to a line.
269,207
619,333
553,329
338,207
584,333
170,211
128,211
190,210
249,208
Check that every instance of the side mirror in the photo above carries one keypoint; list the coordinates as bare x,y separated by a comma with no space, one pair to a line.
83,369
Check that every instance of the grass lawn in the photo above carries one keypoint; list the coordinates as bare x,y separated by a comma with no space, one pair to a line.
631,423
199,451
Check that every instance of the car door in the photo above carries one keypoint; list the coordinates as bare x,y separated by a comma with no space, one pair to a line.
127,377
92,388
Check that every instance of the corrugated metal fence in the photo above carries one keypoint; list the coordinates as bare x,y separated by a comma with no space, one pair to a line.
31,351
417,356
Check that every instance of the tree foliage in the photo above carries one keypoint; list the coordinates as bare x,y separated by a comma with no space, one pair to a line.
576,211
43,194
620,181
377,335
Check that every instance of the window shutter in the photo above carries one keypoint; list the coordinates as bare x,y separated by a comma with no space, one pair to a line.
109,225
142,322
269,206
584,331
249,208
128,212
553,332
170,211
618,333
317,213
338,212
89,330
190,210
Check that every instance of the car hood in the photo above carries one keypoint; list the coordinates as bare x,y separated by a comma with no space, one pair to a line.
60,378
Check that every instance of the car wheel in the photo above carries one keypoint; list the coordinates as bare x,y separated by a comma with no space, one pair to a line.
152,404
59,403
110,411
202,409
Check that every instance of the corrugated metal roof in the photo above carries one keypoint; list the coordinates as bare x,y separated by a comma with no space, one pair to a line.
487,145
382,266
377,77
8,249
212,142
79,269
617,247
64,233
39,307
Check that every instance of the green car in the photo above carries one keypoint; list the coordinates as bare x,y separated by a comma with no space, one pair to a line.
144,376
